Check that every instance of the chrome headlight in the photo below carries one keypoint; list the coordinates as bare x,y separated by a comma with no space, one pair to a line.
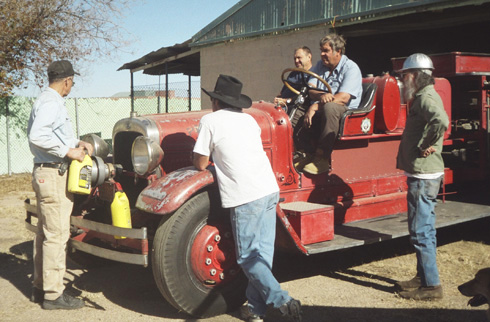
146,155
101,148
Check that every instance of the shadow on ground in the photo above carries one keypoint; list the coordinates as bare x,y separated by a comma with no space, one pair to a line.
133,288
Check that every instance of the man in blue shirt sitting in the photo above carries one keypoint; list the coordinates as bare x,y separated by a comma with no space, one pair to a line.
302,59
345,79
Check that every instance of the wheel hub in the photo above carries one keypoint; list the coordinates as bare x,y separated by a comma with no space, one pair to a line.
213,255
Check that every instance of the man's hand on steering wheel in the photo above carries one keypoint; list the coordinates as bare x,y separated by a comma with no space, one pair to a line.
295,91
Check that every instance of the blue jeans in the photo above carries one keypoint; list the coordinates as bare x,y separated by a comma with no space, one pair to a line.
421,200
254,230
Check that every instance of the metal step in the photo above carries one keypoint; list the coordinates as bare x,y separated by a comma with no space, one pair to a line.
312,222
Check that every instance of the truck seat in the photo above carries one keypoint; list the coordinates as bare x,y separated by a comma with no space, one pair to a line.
360,121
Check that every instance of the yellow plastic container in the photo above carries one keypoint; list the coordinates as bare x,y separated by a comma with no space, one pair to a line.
80,176
121,214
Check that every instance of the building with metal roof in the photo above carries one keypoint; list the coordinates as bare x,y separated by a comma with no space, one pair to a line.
255,39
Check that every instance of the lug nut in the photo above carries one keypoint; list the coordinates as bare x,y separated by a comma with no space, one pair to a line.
213,272
210,248
217,238
208,261
221,276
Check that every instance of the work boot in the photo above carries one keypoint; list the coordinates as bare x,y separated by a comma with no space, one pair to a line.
300,159
409,285
423,293
37,295
64,302
292,309
249,316
318,165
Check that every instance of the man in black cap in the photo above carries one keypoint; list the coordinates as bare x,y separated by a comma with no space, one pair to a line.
247,187
52,143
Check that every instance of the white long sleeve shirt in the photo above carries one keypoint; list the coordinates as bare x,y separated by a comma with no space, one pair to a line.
49,129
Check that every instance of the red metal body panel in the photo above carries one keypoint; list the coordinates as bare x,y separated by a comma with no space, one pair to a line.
365,158
178,134
454,63
165,195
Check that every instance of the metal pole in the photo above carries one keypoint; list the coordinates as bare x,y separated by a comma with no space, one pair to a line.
190,94
77,119
132,94
7,120
166,87
159,94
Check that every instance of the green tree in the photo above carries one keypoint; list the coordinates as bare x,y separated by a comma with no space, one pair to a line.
34,33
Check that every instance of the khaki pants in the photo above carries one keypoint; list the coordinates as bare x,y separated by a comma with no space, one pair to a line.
330,115
54,207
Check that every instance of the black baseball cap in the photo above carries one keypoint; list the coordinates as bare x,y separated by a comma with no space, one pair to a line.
60,69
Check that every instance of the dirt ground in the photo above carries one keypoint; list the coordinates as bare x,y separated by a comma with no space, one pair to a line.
350,285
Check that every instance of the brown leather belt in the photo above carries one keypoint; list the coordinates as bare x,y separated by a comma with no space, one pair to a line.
49,165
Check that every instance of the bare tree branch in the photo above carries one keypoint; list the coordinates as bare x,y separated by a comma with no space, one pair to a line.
34,33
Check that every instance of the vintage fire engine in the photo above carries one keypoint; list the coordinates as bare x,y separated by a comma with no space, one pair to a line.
176,214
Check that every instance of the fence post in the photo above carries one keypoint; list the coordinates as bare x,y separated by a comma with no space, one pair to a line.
77,119
159,94
166,87
190,94
7,121
132,93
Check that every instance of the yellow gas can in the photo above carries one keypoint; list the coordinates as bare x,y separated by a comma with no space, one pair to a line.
121,214
80,176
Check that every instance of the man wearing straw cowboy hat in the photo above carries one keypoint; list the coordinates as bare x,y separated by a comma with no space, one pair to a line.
249,189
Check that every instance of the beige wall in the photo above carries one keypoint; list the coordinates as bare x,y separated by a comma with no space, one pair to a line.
257,62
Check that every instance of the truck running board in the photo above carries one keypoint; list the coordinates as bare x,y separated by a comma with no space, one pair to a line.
394,226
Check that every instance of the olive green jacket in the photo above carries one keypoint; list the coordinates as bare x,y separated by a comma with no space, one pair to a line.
426,123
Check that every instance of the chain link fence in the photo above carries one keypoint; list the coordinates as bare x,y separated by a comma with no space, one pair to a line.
88,115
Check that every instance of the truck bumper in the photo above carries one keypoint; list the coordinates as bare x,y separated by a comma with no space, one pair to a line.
136,238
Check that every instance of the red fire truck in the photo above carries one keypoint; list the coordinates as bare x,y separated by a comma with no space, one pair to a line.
177,221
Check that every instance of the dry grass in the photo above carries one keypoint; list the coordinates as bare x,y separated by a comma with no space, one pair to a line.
15,182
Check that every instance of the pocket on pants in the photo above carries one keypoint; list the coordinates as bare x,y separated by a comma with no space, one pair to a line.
431,188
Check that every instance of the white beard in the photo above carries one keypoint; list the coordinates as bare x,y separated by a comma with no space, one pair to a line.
409,89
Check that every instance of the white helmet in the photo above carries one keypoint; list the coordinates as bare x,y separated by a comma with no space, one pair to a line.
417,61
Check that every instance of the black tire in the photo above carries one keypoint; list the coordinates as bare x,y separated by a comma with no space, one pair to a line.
183,262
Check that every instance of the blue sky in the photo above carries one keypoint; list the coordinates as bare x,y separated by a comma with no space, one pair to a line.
154,24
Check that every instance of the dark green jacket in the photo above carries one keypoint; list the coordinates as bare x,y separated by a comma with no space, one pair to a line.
426,123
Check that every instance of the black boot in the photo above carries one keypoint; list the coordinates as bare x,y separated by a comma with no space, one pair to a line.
37,295
64,302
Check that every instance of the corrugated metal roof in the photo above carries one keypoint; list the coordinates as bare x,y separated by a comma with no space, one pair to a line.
185,57
179,58
258,17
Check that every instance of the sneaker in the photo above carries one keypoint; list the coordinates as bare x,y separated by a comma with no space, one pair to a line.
423,293
64,302
317,166
249,316
37,295
292,309
409,285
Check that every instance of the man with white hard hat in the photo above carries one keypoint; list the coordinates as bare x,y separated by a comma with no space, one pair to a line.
419,155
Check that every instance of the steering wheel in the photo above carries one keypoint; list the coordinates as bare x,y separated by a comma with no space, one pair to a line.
301,70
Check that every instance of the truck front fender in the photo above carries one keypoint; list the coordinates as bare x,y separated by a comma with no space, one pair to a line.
167,194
